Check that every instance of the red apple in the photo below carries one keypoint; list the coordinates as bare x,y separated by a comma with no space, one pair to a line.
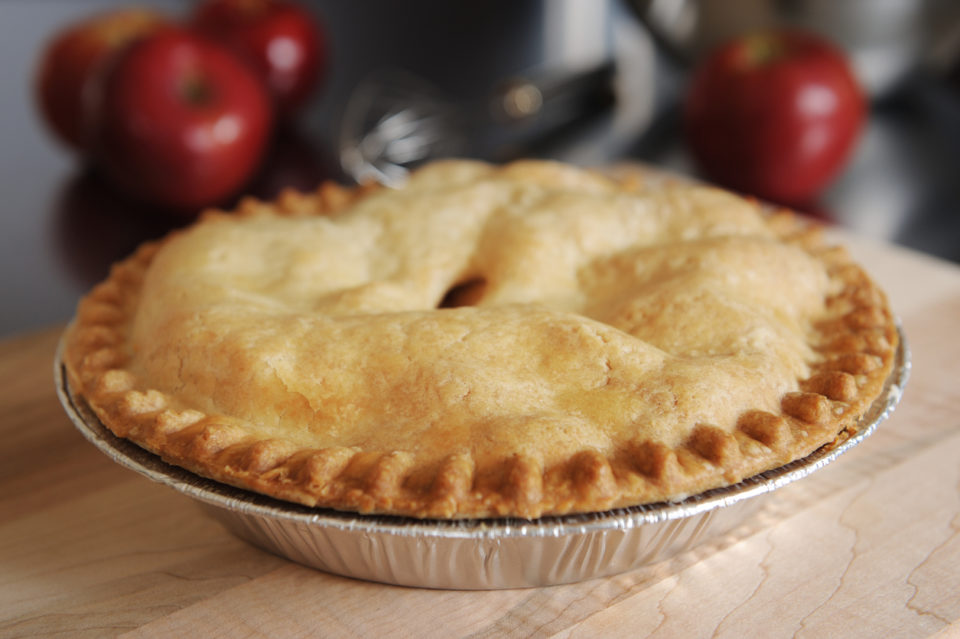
183,123
72,60
774,115
280,39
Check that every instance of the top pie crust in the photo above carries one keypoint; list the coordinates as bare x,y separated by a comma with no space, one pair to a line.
521,340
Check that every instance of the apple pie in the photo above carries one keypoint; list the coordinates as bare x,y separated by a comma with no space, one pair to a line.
486,341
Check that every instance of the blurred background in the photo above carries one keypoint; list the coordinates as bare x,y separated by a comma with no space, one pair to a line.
594,82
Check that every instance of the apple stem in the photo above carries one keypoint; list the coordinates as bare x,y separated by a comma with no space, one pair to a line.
762,49
196,91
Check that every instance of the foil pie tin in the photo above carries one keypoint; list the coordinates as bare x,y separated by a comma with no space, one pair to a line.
478,554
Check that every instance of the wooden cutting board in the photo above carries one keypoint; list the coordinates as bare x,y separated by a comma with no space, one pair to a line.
867,547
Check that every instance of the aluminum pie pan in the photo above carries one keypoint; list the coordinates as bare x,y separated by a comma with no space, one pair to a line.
478,554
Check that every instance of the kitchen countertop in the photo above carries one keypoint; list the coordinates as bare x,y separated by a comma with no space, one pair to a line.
868,546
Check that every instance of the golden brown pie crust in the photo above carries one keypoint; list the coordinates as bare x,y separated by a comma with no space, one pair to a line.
522,340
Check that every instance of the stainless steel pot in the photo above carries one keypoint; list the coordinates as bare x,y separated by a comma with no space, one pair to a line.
885,38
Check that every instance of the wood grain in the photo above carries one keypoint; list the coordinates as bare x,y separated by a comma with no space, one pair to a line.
867,547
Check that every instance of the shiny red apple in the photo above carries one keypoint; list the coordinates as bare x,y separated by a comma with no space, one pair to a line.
279,38
774,115
183,123
71,62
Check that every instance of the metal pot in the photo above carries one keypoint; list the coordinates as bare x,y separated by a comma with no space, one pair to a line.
885,39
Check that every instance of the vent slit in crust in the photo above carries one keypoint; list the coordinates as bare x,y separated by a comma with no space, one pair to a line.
466,293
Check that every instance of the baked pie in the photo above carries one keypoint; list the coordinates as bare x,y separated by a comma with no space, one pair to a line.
486,341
